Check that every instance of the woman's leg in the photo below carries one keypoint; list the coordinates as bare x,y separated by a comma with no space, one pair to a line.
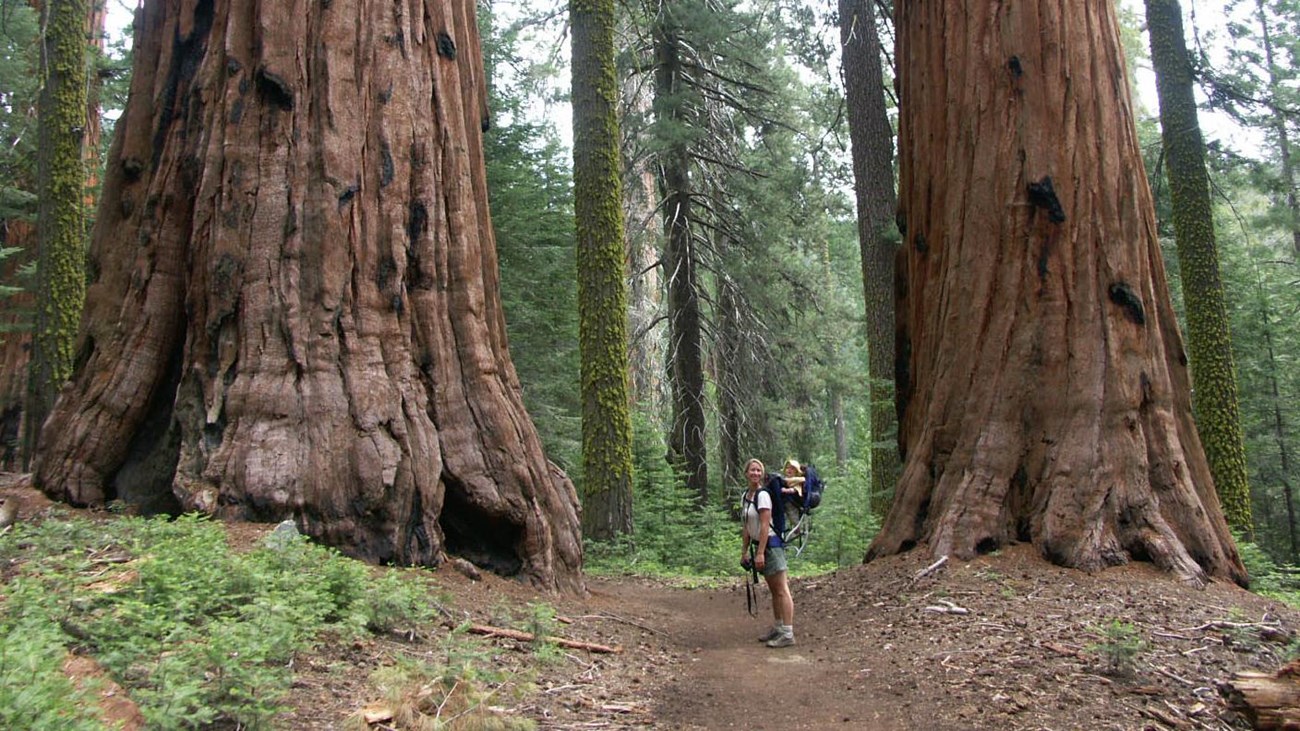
782,602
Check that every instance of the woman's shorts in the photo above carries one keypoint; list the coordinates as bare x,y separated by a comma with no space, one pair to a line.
775,561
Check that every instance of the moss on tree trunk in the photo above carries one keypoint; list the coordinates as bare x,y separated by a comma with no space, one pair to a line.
1214,375
61,221
602,281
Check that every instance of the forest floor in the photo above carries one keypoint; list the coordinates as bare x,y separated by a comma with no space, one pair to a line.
1006,641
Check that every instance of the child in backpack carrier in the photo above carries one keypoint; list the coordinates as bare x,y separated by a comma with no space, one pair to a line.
792,489
794,479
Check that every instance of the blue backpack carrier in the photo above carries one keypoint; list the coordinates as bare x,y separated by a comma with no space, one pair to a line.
812,488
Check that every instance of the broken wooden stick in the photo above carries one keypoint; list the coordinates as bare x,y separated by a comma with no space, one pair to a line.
931,568
514,634
947,607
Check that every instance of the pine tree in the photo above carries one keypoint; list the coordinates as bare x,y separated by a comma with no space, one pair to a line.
602,288
61,185
1214,396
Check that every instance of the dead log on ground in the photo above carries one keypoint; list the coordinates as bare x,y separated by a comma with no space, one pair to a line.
1267,701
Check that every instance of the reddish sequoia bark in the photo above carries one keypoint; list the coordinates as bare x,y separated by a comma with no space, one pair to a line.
1045,396
296,311
15,343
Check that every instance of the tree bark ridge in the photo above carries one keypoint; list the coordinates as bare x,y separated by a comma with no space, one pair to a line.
303,187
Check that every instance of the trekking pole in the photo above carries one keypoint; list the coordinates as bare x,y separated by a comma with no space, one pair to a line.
751,600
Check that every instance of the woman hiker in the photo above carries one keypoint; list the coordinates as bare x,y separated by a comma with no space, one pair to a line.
768,555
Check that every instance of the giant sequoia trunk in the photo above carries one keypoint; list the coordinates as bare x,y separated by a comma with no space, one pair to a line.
1045,391
295,308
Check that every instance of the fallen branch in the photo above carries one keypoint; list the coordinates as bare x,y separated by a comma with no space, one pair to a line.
1224,624
624,620
930,569
1165,672
947,608
514,634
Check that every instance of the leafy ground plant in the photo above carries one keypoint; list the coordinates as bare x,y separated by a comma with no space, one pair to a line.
198,633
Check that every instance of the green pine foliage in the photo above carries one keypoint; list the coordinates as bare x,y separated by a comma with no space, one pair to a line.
532,215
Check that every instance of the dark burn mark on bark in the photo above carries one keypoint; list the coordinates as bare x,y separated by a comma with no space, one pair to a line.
1013,64
347,195
417,221
1043,195
919,243
987,545
127,205
386,94
417,536
902,373
187,55
1121,294
191,171
132,168
399,305
485,124
446,46
384,272
386,164
233,66
274,90
416,155
900,220
237,111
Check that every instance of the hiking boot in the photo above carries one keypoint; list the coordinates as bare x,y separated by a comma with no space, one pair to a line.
770,635
781,641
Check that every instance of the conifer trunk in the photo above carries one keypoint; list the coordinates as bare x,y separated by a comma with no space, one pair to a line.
602,281
295,311
1280,127
16,320
1214,373
872,138
686,438
1044,396
61,219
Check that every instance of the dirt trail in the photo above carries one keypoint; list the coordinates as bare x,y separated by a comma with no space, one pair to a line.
1007,641
724,678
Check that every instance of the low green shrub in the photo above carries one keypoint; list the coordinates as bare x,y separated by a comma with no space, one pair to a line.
198,633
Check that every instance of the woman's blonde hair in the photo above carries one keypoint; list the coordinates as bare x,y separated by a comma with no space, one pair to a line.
757,461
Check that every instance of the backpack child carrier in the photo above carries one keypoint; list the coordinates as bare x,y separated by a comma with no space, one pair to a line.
797,519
